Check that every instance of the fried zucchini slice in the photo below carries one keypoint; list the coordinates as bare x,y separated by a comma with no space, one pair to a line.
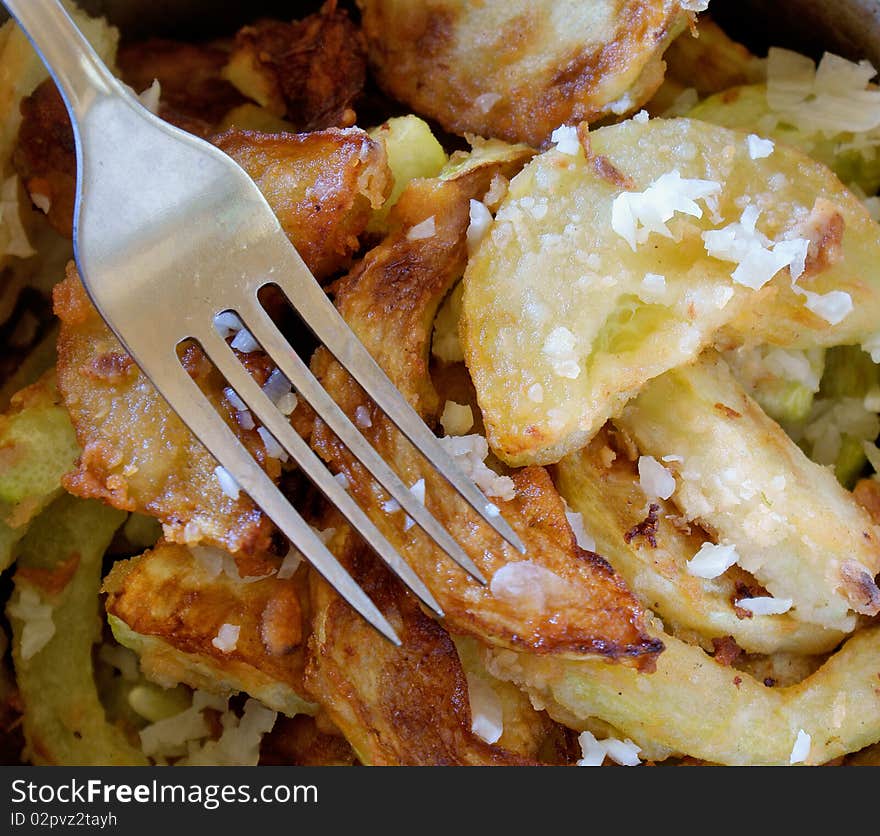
563,320
649,544
58,577
323,186
136,453
390,301
745,107
310,71
393,706
37,447
518,70
794,527
168,608
696,706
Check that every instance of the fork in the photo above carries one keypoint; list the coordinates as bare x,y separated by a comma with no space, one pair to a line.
169,234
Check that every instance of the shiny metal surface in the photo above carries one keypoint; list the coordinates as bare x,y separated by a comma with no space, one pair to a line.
169,232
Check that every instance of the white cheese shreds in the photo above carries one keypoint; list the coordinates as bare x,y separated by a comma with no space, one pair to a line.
234,400
239,742
653,288
756,258
486,101
765,605
581,536
362,417
480,221
226,324
418,490
561,348
469,453
712,560
214,561
36,617
287,403
227,484
641,117
635,215
342,479
44,203
801,749
273,449
169,737
487,714
695,5
227,637
566,140
149,98
759,147
654,479
535,393
833,306
594,752
831,98
793,365
290,564
457,419
276,386
526,585
833,418
423,230
244,342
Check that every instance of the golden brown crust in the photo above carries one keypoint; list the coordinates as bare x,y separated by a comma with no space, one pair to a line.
136,453
166,593
518,70
301,741
596,613
396,706
322,186
310,71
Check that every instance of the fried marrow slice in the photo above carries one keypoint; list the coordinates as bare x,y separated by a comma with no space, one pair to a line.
518,70
649,544
390,300
323,186
559,325
696,706
396,706
310,71
794,527
59,568
37,447
136,453
168,608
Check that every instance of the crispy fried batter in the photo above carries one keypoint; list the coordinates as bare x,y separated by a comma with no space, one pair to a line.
136,453
396,706
45,154
309,71
517,70
176,608
322,186
390,301
194,94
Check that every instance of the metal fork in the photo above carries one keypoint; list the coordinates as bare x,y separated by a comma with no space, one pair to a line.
169,233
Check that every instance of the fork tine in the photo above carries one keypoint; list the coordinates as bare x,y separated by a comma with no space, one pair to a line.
260,324
194,409
272,419
318,312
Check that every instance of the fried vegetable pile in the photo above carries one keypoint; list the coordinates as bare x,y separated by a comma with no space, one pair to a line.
625,269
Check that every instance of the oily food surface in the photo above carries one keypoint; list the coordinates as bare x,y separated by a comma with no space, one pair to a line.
584,608
518,70
564,319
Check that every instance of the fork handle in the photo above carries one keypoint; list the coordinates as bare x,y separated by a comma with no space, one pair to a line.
77,69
